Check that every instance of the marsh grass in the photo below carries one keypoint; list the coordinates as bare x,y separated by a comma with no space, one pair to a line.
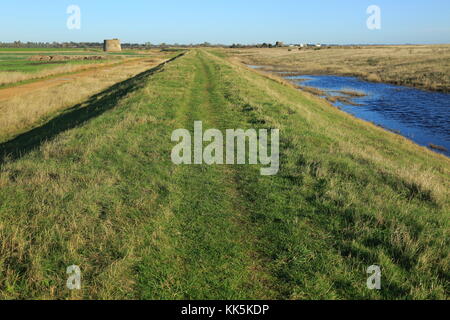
421,66
345,100
333,98
352,93
436,147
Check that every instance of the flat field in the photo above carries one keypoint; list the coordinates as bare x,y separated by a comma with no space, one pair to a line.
26,103
22,65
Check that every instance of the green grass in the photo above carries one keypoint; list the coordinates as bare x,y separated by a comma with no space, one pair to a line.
39,49
49,53
95,187
22,64
19,61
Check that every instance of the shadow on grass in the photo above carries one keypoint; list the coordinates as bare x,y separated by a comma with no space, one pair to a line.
75,116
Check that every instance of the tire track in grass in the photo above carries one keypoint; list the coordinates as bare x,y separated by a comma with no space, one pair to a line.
207,252
278,243
225,118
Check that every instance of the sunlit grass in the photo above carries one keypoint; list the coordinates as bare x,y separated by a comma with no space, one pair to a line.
95,187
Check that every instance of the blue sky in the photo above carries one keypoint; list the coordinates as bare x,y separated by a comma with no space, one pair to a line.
227,21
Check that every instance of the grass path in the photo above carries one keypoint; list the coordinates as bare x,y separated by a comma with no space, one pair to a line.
103,194
214,258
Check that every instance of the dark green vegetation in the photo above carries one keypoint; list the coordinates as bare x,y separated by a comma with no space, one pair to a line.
96,187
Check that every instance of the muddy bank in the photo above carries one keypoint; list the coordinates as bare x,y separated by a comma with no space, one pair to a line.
419,115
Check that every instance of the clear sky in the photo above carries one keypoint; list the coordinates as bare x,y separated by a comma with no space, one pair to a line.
227,21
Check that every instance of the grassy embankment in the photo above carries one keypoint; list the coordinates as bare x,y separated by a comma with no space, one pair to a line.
35,103
425,67
96,187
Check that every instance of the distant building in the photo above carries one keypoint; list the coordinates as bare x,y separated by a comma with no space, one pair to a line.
318,45
279,44
112,45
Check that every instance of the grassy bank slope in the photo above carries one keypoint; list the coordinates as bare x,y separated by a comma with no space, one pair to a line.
26,106
96,188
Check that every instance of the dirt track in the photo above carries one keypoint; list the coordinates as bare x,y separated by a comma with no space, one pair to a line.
11,92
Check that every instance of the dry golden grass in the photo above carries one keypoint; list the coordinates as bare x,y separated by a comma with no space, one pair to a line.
13,77
24,111
425,66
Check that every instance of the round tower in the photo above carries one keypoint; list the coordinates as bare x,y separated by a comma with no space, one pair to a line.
112,45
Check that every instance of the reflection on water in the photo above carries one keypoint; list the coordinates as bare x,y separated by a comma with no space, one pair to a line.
419,115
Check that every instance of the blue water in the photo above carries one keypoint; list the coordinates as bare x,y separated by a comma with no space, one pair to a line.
422,116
